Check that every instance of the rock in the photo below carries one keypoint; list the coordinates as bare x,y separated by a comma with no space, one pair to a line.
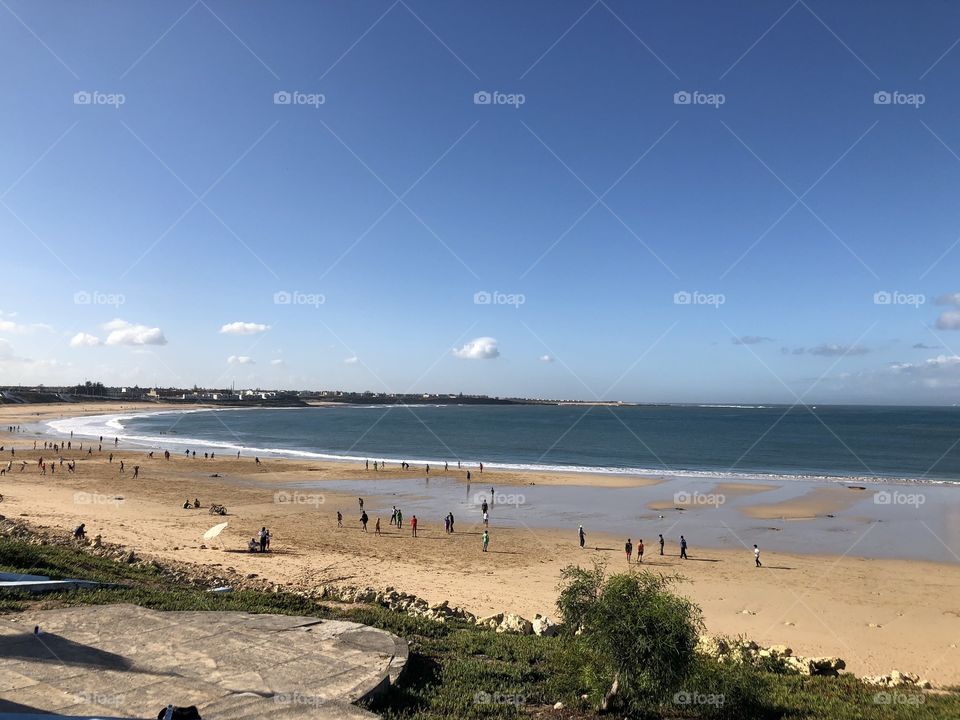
826,666
543,627
491,621
515,624
712,647
558,706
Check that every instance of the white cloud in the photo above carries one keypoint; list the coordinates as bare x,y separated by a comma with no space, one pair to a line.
9,325
82,339
936,372
125,333
481,348
949,299
243,328
546,358
352,360
240,360
950,320
277,361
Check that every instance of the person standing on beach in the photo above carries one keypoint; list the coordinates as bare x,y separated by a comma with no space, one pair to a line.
628,549
661,544
263,539
486,519
756,556
413,525
683,548
451,523
366,465
486,540
446,524
376,530
393,516
364,519
483,507
481,468
640,551
399,519
339,519
468,476
583,537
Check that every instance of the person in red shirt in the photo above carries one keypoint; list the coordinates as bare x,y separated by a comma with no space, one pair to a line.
413,525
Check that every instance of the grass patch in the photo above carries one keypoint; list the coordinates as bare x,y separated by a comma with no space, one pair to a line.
467,672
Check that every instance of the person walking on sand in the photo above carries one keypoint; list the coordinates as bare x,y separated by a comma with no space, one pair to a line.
661,544
756,556
486,540
360,500
136,471
399,519
640,551
628,549
446,524
364,519
413,525
376,530
483,507
339,519
683,548
451,523
393,516
583,537
486,518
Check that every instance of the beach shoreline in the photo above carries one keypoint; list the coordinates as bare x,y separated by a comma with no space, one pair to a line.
878,614
80,419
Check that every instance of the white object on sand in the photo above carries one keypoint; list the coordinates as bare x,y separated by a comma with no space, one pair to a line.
214,531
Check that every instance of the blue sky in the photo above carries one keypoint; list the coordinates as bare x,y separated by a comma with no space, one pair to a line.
155,188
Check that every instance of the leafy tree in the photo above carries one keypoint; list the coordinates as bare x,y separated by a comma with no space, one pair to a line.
639,637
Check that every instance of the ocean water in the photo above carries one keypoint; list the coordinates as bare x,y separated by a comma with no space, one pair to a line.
822,443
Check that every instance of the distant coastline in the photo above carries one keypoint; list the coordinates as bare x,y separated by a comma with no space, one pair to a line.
97,393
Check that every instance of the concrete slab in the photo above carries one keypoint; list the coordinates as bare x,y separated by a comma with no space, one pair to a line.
42,583
131,661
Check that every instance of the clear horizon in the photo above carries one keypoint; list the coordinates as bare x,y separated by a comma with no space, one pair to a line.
744,204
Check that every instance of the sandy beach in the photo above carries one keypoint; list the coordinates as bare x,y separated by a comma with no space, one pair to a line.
878,614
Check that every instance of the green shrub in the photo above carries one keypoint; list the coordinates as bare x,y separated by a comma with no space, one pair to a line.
639,638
